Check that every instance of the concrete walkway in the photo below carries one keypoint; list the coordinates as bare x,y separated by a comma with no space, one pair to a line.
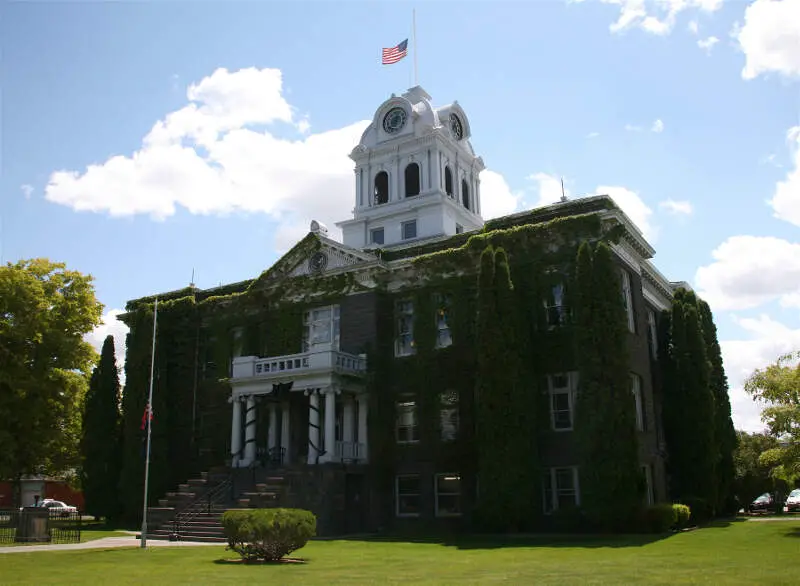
103,543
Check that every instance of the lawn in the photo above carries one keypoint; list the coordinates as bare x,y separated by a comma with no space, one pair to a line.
742,552
89,532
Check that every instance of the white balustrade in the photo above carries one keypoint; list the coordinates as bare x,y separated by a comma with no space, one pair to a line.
334,360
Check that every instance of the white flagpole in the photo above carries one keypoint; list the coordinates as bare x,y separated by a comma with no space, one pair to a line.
149,424
414,41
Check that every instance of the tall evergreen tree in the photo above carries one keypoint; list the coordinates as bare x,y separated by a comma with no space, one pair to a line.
689,407
101,437
605,422
725,437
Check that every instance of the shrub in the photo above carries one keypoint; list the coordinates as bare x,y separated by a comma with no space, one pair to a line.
268,534
701,510
657,518
682,515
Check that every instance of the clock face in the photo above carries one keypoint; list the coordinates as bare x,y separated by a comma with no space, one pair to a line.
317,262
394,120
455,127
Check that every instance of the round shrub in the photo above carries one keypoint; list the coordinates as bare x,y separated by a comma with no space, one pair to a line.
657,518
268,534
682,515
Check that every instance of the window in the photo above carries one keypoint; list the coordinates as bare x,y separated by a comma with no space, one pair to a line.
560,489
237,342
321,327
443,337
448,181
448,416
465,193
381,194
406,429
448,495
636,390
557,312
376,236
404,343
561,388
412,180
653,332
409,229
647,472
407,490
627,299
459,229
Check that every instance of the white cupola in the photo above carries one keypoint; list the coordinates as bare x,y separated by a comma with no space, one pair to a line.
417,176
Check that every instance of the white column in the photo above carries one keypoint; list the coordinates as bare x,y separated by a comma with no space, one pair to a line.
362,426
313,427
330,425
272,432
250,431
285,432
236,432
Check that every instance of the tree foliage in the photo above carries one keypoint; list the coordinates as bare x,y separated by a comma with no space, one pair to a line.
754,475
45,311
101,437
778,385
605,420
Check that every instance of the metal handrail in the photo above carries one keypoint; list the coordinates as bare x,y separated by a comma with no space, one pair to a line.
190,511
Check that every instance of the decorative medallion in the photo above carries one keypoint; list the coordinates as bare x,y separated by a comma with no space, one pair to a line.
317,262
394,120
455,127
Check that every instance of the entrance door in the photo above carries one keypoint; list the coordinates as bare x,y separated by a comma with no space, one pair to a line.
355,503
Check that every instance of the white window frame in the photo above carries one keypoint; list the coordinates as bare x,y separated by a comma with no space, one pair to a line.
418,494
459,228
551,475
444,336
237,342
403,230
330,325
438,494
373,232
404,326
652,330
449,416
627,298
406,426
636,391
557,305
569,391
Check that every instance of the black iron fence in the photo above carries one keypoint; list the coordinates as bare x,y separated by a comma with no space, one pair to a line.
40,525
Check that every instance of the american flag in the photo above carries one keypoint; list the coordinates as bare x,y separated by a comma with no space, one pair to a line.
394,54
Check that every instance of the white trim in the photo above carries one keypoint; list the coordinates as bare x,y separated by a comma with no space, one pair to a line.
397,493
636,391
551,473
653,298
649,495
415,426
436,494
569,390
627,295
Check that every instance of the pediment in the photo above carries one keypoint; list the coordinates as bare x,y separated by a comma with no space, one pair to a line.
316,256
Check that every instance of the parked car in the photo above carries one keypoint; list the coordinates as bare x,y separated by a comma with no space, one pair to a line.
58,508
793,501
763,504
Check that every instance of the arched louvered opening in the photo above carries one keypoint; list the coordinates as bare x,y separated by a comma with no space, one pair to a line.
465,193
381,188
448,181
412,180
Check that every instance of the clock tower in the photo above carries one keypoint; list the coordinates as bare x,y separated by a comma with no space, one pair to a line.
416,175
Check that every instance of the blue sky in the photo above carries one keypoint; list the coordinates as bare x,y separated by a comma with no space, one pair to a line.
682,110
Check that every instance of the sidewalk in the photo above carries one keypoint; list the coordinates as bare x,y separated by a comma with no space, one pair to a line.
103,543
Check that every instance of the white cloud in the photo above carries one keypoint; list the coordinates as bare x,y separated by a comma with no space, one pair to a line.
676,207
27,190
111,326
634,207
707,44
767,339
548,188
593,135
657,17
770,38
497,199
633,128
658,126
693,27
786,200
749,271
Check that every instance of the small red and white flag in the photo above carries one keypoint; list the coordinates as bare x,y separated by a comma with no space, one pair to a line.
394,54
147,410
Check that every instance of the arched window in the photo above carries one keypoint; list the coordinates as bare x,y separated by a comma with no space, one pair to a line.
465,193
412,180
448,181
381,193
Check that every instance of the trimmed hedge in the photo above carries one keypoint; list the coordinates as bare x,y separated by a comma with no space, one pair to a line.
268,534
663,517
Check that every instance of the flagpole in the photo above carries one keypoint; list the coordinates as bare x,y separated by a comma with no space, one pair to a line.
149,423
414,40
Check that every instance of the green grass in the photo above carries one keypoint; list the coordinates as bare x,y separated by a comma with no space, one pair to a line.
89,532
742,552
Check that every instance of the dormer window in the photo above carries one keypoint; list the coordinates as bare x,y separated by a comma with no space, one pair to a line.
381,193
465,193
412,180
448,181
